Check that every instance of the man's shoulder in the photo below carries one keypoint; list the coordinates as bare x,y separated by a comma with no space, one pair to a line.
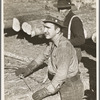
64,42
65,46
76,18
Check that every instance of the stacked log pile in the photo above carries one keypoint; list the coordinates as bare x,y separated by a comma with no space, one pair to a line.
15,17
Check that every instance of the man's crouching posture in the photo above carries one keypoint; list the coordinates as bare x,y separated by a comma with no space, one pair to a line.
62,64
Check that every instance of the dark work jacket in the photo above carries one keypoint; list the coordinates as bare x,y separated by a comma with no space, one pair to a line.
77,32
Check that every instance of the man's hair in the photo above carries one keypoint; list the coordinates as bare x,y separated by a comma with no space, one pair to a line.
57,26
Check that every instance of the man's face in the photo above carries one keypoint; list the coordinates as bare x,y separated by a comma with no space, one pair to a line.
64,11
49,30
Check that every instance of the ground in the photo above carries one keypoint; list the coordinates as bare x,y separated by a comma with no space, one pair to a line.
20,49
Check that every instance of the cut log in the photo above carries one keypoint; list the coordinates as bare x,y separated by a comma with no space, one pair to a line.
16,25
27,28
24,59
19,20
33,28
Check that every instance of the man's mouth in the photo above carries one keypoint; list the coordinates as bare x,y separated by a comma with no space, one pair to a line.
46,34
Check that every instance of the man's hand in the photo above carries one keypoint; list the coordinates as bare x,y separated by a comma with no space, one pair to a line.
40,94
28,70
23,71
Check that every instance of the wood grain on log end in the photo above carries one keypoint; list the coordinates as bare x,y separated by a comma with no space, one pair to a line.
27,28
33,28
16,25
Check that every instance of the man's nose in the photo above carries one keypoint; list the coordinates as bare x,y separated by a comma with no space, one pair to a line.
45,30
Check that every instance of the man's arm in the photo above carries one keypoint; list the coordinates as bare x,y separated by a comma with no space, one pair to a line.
44,55
34,64
78,32
58,79
64,56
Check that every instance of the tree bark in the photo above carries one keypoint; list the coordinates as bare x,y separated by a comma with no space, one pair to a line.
24,59
33,28
9,22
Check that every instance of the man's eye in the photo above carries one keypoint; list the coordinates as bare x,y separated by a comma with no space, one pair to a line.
47,27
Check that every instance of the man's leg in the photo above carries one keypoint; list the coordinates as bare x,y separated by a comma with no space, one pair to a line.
72,89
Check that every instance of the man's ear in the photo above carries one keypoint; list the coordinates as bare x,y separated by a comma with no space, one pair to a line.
57,30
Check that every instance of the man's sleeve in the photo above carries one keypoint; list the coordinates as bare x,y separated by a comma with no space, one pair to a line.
43,56
64,57
78,32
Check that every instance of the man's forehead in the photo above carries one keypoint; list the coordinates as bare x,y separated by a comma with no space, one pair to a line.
48,24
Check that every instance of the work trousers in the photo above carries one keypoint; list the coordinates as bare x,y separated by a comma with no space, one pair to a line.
72,89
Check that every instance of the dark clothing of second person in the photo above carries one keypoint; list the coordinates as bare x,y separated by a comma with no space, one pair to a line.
77,31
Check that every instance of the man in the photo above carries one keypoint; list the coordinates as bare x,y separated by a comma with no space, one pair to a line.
77,37
62,64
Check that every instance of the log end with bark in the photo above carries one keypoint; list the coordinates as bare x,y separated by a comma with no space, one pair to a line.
33,28
16,25
27,28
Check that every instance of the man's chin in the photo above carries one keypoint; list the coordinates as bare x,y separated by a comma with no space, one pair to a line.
47,37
